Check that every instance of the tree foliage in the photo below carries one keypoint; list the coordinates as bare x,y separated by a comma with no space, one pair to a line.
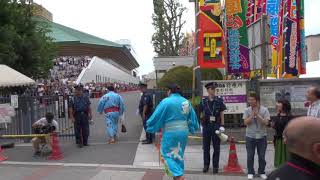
211,74
24,44
180,75
168,23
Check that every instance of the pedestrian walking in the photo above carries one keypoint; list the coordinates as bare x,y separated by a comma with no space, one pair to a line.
145,111
112,105
212,118
313,95
176,117
279,123
303,141
256,118
80,113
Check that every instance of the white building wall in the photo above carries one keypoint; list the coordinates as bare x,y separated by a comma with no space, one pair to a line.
167,63
101,71
312,70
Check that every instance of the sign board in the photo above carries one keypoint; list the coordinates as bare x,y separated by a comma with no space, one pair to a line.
293,89
14,101
234,94
269,94
6,112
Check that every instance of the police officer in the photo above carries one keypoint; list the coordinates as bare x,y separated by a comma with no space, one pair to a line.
212,119
80,113
145,111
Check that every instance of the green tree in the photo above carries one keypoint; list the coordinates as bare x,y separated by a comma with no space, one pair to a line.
24,44
180,75
168,24
211,74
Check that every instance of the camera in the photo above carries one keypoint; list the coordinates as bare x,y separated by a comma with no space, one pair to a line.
49,128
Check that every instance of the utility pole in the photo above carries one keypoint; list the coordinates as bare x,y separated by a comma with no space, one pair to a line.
195,76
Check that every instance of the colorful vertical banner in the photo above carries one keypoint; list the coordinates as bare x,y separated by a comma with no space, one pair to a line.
256,8
303,50
210,54
291,43
237,37
287,37
273,8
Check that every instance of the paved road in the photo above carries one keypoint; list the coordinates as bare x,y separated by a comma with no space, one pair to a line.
127,159
94,173
99,152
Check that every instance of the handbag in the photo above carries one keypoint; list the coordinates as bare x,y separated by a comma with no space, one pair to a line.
123,128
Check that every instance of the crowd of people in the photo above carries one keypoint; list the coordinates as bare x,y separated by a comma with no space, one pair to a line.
68,68
56,87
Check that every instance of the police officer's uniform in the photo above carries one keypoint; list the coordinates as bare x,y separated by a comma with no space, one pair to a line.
81,106
146,100
211,121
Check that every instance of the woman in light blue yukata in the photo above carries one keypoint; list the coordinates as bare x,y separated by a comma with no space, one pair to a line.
176,117
113,107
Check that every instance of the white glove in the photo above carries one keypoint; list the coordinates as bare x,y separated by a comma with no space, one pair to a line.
222,129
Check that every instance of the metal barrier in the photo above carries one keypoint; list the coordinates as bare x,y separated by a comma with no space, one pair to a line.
31,109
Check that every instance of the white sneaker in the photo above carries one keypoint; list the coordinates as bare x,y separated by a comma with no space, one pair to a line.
250,176
263,176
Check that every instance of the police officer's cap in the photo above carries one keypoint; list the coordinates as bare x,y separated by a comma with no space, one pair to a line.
78,86
141,84
211,85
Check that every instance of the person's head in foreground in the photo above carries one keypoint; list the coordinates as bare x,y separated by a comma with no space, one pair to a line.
302,137
173,89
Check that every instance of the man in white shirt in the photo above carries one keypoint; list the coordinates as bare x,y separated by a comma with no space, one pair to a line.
313,95
42,123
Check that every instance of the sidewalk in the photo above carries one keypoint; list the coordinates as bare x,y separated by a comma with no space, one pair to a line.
148,156
94,173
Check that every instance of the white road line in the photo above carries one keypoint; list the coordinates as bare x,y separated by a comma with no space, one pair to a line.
76,165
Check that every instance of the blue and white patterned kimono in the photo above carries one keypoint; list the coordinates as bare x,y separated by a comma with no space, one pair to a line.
176,117
111,101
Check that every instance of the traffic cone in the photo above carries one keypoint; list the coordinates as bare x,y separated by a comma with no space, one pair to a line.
233,164
56,151
2,156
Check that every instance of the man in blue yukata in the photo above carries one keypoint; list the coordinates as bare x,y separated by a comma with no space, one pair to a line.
176,117
113,107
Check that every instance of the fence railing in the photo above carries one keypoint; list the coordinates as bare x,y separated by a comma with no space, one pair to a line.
31,109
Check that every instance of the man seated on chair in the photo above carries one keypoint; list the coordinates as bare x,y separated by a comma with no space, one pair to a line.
44,125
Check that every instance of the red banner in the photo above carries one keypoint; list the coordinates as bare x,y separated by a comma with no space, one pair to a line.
210,54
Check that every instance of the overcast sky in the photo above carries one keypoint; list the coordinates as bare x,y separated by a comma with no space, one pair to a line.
128,19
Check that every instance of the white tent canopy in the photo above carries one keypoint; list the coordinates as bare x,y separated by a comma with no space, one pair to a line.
10,77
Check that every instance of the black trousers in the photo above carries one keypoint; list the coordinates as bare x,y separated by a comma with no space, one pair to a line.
81,127
149,136
209,136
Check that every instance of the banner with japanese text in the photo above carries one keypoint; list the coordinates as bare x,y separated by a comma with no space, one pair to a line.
287,37
233,93
210,37
237,37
